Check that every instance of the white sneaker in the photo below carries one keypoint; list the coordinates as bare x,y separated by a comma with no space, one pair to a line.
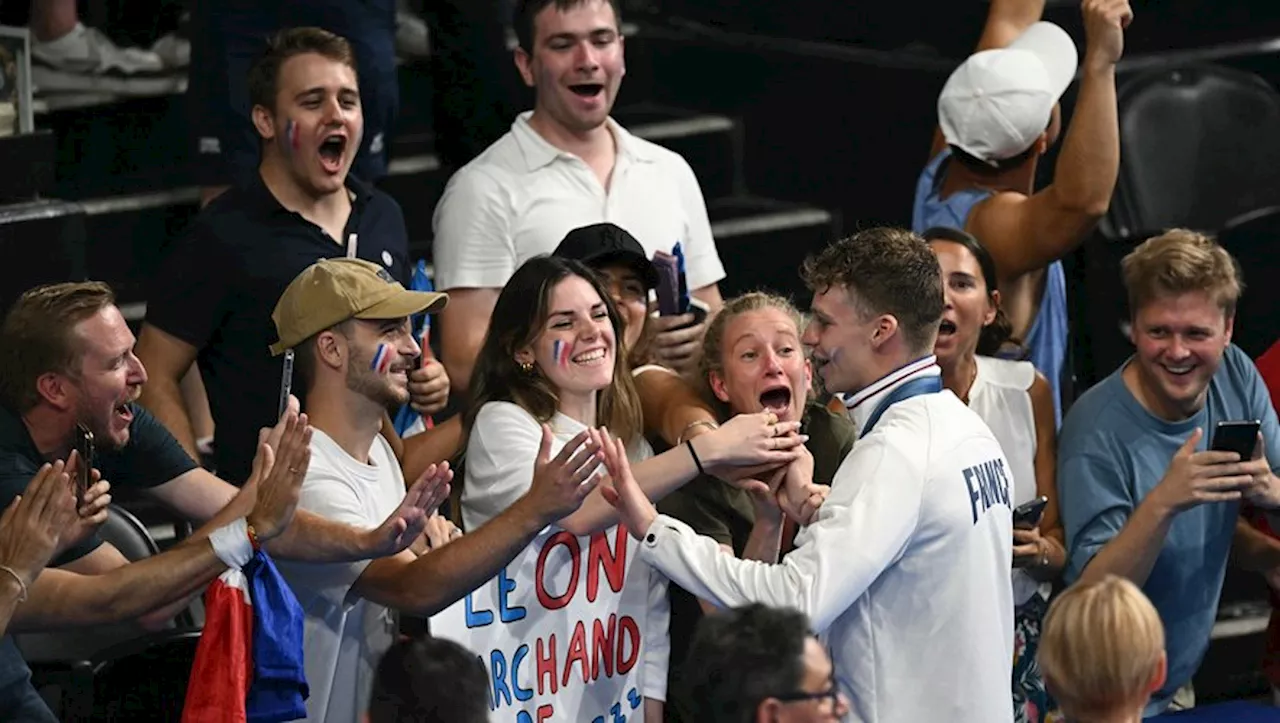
86,60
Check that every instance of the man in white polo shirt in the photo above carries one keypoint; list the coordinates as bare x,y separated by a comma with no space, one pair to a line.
564,165
905,571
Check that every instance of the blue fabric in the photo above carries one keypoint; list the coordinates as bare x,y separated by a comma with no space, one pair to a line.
1112,452
19,700
930,209
420,280
1235,712
279,689
1046,340
913,388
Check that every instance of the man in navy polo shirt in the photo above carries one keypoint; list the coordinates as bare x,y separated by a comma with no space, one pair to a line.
213,297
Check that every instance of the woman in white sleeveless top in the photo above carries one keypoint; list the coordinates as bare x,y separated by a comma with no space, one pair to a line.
1017,404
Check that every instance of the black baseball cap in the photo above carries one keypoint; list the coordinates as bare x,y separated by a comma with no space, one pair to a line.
601,244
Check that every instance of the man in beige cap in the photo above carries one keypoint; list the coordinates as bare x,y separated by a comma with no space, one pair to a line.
347,322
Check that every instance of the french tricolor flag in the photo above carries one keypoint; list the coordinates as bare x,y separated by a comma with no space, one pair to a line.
249,663
382,359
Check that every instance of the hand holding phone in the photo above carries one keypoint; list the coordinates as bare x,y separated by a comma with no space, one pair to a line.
1239,436
1201,477
286,383
668,290
1027,516
84,465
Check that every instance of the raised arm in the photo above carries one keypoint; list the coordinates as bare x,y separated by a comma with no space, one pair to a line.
820,577
748,440
1026,233
30,533
59,599
201,497
426,585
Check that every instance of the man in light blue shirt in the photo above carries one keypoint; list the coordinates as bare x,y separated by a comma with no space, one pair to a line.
1141,497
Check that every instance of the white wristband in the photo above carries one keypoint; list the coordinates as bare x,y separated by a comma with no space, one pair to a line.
231,544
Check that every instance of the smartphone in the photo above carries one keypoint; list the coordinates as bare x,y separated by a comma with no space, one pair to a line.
668,290
1239,436
1027,516
84,472
286,382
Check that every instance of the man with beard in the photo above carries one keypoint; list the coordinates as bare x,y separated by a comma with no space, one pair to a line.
213,292
564,165
67,371
1143,494
67,367
347,321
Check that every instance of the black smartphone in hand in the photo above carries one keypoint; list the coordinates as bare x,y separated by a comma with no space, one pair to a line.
84,469
1240,436
1027,516
286,384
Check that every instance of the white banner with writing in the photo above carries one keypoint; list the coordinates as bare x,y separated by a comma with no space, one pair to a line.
573,629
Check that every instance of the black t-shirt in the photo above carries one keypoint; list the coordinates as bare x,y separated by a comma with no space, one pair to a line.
217,288
151,457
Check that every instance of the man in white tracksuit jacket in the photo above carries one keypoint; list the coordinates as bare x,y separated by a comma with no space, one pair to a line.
905,571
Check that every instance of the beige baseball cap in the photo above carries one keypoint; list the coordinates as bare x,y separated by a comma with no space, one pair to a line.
331,291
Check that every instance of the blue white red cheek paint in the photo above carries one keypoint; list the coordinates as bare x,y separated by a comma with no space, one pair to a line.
291,140
382,359
560,350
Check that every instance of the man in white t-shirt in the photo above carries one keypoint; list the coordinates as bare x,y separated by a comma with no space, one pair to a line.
347,321
565,165
905,571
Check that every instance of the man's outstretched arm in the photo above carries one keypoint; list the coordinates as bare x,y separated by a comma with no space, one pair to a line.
59,599
824,574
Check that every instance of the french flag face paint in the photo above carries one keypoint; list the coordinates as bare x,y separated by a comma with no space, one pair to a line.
560,350
382,359
291,135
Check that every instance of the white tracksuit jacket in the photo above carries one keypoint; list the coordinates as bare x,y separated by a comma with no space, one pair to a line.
905,573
